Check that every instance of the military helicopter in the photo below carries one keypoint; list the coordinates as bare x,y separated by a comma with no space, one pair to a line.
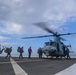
52,48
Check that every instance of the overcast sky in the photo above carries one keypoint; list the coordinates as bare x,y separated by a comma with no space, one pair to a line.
17,18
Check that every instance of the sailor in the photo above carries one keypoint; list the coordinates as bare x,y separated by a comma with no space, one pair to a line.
8,51
67,53
29,52
40,53
20,50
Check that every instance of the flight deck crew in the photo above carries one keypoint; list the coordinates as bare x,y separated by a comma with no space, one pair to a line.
67,53
1,50
40,53
20,50
29,52
8,51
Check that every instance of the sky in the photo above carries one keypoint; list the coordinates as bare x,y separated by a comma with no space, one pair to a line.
17,18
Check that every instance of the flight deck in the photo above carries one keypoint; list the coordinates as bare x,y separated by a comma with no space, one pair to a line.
36,66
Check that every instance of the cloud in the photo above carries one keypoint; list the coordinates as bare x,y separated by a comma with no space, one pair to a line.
15,14
17,0
11,28
3,38
6,44
30,10
12,9
20,14
60,10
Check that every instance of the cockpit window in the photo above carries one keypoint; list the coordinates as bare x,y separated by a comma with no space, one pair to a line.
47,43
50,43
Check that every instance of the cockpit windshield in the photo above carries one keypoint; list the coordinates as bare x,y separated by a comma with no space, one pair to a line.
49,43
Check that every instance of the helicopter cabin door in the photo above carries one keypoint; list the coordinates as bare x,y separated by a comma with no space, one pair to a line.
58,49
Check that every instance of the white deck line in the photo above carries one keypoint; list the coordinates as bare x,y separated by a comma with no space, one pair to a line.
4,62
69,71
17,69
20,61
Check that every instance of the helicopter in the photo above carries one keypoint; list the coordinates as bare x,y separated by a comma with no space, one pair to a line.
54,48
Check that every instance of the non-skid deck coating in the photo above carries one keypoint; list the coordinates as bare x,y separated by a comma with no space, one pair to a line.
35,66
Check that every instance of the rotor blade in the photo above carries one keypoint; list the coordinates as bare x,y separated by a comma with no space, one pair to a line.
37,37
66,34
43,26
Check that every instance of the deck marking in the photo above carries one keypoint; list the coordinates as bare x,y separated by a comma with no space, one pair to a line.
69,71
20,61
17,69
4,62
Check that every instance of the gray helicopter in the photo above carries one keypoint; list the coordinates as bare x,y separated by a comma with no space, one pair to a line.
52,48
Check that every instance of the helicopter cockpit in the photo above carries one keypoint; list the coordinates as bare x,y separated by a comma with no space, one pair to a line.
49,43
49,47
